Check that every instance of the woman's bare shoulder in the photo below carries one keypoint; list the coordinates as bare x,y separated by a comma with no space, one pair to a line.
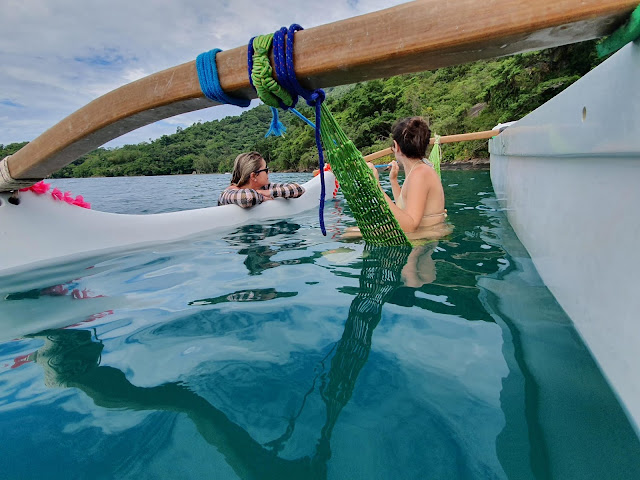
425,173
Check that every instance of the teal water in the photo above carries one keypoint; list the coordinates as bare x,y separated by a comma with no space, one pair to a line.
271,351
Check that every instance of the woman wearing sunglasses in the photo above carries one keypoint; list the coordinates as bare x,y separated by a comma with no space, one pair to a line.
250,184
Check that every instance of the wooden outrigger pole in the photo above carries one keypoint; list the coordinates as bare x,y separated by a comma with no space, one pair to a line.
416,36
461,137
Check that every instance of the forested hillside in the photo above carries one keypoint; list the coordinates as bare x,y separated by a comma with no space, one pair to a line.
459,99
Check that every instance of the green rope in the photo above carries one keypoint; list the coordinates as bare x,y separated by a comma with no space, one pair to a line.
268,89
368,205
629,32
360,188
436,155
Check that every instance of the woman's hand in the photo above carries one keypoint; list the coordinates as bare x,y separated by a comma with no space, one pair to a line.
393,174
266,194
374,170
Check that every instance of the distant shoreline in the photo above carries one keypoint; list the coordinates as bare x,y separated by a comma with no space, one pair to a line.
473,164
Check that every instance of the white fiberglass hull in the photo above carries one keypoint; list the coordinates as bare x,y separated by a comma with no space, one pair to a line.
568,175
41,230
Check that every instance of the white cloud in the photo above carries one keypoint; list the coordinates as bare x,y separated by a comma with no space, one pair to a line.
58,56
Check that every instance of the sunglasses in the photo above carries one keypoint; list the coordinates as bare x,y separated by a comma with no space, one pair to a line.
258,172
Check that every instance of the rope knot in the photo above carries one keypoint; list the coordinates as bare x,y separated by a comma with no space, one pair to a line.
316,97
284,90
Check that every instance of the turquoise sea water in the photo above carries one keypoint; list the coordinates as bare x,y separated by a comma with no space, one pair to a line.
270,351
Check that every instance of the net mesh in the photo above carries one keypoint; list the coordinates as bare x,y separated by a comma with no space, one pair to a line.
377,223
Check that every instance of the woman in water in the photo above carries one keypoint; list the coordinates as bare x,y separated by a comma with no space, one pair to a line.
250,183
419,203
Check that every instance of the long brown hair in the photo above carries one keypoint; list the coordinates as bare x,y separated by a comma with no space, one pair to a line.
413,135
243,166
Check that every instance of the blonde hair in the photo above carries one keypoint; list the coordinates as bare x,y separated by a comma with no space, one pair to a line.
243,166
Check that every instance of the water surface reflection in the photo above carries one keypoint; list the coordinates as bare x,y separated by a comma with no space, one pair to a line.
71,359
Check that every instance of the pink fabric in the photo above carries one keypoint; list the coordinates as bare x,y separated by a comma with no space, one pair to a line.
57,194
21,360
91,318
38,188
79,201
41,188
68,198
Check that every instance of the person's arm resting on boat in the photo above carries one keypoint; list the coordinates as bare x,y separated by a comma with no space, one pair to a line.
250,183
249,197
243,197
285,190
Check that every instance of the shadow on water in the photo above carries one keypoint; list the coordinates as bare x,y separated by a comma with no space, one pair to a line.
71,359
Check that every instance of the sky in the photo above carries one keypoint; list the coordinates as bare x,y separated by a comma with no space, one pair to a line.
58,55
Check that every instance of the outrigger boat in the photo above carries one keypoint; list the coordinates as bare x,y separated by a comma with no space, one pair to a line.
566,174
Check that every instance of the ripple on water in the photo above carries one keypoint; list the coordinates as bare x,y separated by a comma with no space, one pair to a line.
275,352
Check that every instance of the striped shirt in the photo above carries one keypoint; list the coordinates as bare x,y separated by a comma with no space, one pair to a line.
248,197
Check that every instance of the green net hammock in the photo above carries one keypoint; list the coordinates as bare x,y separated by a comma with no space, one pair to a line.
436,154
377,223
373,215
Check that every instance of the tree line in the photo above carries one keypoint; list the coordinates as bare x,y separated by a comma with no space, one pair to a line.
464,98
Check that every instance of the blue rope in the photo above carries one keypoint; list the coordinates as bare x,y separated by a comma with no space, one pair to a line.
279,61
250,60
290,70
318,104
276,129
302,117
210,83
282,72
286,77
314,99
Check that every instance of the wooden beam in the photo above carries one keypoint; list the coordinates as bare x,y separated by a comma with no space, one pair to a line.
461,137
379,154
416,36
467,137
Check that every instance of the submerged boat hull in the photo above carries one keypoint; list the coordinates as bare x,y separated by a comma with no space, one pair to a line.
567,175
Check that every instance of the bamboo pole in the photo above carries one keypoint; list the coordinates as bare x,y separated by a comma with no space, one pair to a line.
416,36
461,137
379,154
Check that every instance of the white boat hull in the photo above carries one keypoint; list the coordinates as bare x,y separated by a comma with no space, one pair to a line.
568,176
41,231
